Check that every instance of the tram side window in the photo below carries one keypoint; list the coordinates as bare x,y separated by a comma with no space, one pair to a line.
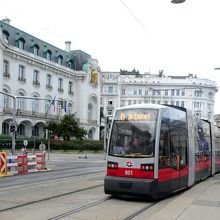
179,135
164,147
164,144
204,138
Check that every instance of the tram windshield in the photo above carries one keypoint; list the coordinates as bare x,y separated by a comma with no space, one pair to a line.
133,133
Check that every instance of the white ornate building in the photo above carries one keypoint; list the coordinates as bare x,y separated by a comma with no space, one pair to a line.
126,88
61,82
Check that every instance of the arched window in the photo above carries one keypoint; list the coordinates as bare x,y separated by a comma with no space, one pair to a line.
59,106
34,105
5,100
20,101
60,59
69,108
90,134
35,131
70,64
5,34
48,104
20,43
35,49
5,128
48,55
21,130
90,112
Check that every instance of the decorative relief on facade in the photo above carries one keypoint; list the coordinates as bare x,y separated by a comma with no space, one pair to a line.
94,77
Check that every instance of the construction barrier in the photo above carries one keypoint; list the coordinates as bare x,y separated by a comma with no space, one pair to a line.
24,164
3,163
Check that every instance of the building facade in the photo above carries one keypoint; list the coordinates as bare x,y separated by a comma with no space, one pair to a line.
41,82
126,88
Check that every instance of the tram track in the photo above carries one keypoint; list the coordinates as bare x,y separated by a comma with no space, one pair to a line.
82,208
137,213
49,198
96,203
55,178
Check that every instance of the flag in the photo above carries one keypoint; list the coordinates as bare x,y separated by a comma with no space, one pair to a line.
65,106
53,103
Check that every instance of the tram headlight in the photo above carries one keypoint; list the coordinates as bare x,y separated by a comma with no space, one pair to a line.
147,167
112,165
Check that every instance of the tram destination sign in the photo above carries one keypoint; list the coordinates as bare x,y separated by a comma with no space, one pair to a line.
138,115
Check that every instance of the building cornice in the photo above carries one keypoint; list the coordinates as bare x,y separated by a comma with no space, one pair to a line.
46,64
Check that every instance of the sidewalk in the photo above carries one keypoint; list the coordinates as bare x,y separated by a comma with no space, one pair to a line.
201,202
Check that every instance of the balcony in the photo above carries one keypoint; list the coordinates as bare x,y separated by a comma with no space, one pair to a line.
22,79
7,110
6,75
36,83
110,106
49,87
60,90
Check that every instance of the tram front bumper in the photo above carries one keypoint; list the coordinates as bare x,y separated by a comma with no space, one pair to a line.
130,186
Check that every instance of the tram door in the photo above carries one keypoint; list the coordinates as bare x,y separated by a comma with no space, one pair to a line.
174,160
172,152
203,150
178,153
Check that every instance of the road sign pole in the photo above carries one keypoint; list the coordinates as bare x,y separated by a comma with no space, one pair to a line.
14,124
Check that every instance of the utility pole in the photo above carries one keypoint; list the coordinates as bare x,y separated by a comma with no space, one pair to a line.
14,123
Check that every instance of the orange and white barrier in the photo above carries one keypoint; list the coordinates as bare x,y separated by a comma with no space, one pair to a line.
3,163
23,164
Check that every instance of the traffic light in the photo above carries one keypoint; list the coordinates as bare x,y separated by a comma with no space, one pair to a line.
46,134
12,128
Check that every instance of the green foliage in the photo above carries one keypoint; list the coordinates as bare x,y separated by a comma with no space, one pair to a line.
77,145
53,126
68,127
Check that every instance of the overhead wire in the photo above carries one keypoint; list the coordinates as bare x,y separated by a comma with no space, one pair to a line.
135,17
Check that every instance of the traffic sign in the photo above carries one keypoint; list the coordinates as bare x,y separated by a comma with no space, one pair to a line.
25,142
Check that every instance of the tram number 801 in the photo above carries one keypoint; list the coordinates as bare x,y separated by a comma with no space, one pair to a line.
128,172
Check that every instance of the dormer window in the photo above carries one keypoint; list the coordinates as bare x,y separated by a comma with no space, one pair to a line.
35,49
48,55
70,64
60,59
20,43
5,34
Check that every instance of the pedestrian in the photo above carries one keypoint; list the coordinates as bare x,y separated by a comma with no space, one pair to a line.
42,147
23,151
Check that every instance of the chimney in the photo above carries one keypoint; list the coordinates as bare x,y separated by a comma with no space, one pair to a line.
6,20
67,45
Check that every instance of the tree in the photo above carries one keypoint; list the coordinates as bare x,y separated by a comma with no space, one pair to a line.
53,126
68,127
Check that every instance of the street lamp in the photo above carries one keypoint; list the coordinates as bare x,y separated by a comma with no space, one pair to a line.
177,1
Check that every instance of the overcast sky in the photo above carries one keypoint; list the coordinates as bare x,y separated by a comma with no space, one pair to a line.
148,35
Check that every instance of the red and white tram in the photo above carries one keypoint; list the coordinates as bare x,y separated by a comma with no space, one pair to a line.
155,150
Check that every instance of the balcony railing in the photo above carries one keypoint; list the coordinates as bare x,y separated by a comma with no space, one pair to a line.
22,79
36,83
60,89
49,87
31,114
7,110
6,75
